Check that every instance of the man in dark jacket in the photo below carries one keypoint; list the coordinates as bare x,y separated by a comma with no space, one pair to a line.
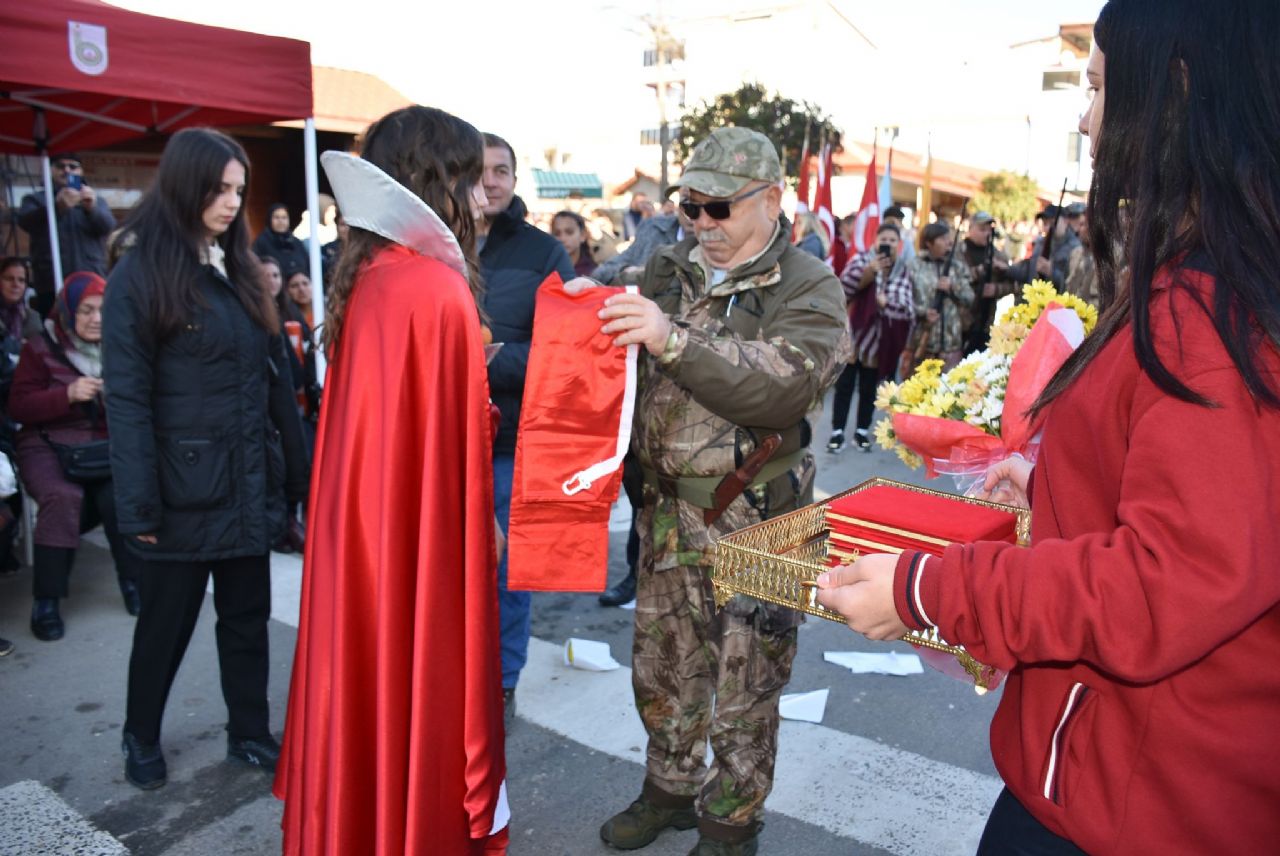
84,222
515,257
1064,240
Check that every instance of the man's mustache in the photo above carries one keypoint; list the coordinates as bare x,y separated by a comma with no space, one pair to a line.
710,235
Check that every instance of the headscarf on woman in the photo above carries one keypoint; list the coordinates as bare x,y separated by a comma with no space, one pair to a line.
61,324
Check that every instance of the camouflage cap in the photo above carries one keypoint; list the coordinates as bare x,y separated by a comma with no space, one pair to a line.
730,159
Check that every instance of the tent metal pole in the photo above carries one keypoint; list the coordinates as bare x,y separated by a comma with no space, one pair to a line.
54,107
40,132
311,157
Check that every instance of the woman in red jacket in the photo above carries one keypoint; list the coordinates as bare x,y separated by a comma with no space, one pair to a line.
1141,626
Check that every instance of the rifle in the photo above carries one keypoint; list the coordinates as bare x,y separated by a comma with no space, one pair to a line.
1046,247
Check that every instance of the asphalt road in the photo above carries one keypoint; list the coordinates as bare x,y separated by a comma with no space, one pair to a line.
898,764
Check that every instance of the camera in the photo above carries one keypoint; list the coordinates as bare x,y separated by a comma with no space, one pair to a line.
884,250
75,182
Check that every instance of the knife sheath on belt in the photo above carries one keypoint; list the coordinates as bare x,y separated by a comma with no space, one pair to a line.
732,485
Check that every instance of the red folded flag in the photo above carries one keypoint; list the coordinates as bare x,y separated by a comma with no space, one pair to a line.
908,519
575,427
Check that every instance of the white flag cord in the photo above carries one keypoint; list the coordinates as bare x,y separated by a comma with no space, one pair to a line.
584,479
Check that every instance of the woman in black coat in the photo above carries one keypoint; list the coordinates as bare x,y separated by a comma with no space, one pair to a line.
206,440
278,242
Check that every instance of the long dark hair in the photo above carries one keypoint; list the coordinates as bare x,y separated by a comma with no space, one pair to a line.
1187,163
167,231
438,157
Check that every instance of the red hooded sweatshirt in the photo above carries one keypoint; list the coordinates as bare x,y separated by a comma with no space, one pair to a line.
1141,628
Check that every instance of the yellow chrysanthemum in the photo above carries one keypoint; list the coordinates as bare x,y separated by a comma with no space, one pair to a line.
929,367
909,457
962,374
885,394
884,434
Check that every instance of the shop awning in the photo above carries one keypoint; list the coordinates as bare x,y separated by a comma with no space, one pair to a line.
553,184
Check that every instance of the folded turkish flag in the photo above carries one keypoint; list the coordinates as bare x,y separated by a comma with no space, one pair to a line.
905,519
575,426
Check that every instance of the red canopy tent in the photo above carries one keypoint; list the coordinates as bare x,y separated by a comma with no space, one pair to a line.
79,74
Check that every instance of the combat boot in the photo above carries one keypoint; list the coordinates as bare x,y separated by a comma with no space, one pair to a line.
640,824
712,847
721,839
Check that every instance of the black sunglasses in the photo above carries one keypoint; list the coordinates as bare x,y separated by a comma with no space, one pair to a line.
718,210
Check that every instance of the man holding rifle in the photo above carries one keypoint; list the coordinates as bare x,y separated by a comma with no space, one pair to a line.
1051,254
742,335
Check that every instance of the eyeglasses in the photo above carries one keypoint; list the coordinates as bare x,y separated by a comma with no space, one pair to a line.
66,166
718,210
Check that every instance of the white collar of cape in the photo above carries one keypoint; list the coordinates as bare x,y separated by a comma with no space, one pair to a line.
370,199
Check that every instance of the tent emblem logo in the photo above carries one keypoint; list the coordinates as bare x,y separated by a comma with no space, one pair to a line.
88,44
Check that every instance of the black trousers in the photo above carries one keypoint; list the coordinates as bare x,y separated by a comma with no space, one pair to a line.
633,484
52,569
172,594
858,377
1013,831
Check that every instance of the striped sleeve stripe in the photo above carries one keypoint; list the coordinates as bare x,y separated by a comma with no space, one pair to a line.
912,570
916,602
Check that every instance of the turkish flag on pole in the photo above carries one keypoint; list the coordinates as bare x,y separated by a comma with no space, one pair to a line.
822,202
864,228
802,189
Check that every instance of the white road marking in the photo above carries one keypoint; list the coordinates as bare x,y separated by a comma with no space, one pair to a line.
34,819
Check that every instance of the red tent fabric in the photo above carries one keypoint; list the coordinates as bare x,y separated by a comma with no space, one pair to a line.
129,75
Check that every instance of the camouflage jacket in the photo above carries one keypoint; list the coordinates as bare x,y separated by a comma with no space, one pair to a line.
752,355
947,334
1082,277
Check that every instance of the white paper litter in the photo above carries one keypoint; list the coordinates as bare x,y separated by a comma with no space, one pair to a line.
862,663
589,655
804,707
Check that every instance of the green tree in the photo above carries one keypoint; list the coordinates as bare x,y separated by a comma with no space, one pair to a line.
1007,196
752,106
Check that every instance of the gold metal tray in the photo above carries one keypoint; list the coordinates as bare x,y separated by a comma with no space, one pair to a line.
769,561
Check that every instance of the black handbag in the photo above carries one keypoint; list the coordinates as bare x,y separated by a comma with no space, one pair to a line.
83,463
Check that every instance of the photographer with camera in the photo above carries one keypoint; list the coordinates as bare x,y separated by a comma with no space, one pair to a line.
84,222
878,293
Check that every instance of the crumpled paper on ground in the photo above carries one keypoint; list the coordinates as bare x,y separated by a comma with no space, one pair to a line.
804,707
589,655
863,663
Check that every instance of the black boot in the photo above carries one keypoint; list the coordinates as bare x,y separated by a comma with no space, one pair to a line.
261,752
46,621
623,592
132,600
144,765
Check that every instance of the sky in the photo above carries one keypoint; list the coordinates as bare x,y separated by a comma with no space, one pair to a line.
521,65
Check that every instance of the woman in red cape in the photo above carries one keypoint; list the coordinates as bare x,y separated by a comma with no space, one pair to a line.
394,740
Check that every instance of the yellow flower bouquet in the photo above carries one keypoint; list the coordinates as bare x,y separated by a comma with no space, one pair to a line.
959,422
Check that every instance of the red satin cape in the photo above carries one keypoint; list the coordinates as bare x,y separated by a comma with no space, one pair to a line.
394,741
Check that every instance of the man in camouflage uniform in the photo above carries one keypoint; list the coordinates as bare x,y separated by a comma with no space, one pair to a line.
939,333
743,334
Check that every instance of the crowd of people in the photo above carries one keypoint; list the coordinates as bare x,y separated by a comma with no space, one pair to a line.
1134,627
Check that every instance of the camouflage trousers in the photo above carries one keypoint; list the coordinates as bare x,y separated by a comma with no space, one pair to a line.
700,674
